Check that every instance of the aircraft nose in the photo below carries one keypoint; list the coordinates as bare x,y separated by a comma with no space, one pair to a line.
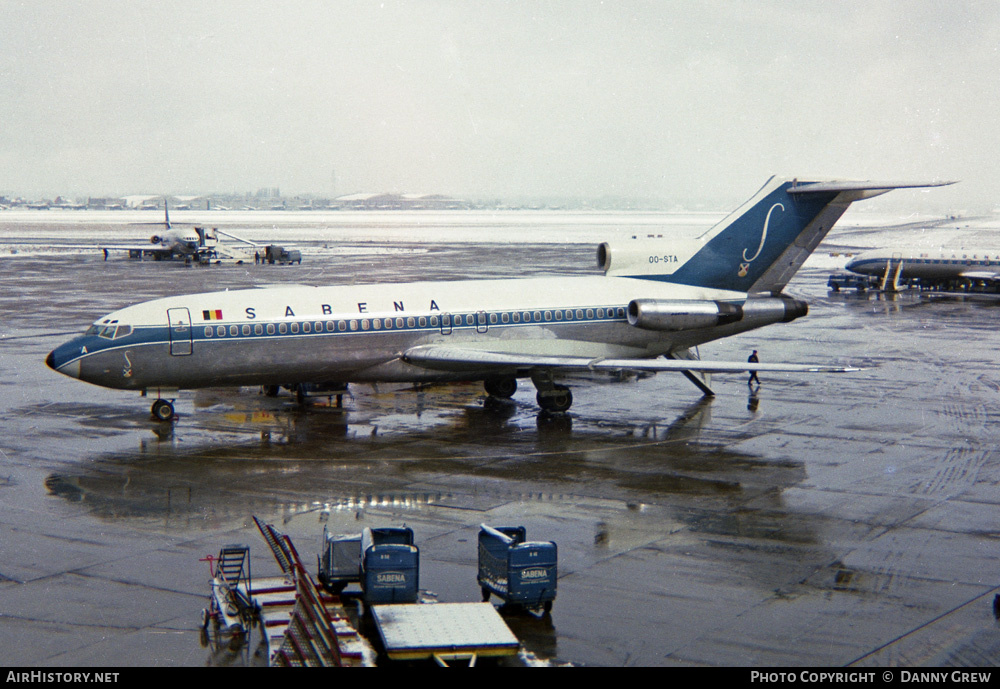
65,360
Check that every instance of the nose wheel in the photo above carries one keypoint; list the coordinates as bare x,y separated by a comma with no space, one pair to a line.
163,410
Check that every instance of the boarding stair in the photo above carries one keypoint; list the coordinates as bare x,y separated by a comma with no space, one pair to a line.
282,549
303,626
890,281
233,568
231,601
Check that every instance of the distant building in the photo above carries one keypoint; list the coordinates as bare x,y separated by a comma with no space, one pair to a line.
397,202
104,204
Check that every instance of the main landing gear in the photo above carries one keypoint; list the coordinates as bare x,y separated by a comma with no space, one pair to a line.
163,410
551,397
557,399
504,388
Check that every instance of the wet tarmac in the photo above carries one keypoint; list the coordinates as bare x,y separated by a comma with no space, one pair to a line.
843,520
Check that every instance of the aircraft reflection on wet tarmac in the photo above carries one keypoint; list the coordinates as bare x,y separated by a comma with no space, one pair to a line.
344,462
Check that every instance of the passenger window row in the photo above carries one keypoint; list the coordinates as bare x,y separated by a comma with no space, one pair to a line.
411,322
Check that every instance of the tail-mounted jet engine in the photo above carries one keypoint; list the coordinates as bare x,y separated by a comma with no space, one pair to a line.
678,314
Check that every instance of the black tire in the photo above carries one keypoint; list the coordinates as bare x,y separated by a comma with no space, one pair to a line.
558,399
163,410
503,388
486,594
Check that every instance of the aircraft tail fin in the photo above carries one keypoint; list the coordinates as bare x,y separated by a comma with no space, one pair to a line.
761,245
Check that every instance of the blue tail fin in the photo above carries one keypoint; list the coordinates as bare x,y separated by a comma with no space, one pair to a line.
741,252
760,246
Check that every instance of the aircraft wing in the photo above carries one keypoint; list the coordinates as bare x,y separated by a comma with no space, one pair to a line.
461,359
980,275
129,247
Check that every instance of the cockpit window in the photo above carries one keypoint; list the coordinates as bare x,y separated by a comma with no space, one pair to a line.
110,330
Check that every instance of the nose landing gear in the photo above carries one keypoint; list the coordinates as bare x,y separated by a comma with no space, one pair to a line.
163,410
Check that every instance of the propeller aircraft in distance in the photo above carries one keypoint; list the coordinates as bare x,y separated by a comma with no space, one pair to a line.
943,267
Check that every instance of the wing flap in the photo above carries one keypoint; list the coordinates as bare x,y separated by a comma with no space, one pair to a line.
460,360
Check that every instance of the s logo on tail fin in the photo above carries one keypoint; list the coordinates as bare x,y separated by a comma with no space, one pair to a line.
745,266
763,236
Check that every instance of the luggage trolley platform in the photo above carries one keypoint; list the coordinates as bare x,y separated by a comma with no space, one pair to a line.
443,631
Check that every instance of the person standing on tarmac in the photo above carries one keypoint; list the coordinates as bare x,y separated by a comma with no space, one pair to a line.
752,359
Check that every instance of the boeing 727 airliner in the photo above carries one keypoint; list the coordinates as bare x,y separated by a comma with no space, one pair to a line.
657,301
192,244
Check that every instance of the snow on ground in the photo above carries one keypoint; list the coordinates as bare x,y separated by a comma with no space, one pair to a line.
34,232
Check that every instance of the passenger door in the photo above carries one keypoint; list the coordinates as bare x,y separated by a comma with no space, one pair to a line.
180,331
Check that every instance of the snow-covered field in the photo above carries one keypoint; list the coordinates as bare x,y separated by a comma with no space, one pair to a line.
24,232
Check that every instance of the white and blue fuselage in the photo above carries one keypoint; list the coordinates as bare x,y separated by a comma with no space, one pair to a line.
656,302
360,333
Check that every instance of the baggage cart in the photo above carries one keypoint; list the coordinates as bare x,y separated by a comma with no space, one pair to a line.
516,570
340,563
390,565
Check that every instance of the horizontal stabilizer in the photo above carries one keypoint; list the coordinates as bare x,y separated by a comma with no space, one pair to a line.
825,187
458,359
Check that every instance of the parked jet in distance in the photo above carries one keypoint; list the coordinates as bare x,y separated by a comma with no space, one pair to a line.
937,267
656,303
192,243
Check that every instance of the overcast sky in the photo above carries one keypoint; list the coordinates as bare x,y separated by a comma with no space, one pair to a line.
676,100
